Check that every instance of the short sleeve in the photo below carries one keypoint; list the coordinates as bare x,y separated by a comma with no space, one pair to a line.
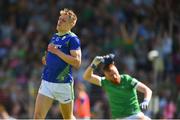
132,81
74,43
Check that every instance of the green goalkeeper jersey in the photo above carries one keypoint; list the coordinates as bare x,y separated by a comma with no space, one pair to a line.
122,97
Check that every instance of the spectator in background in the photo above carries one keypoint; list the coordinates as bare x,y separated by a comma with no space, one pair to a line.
82,103
4,114
97,110
169,109
57,82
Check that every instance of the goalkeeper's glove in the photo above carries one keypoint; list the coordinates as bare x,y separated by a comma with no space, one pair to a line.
96,61
144,104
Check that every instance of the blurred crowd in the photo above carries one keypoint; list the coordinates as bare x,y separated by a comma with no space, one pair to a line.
128,28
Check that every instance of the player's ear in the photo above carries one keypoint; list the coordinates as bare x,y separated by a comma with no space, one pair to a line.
72,24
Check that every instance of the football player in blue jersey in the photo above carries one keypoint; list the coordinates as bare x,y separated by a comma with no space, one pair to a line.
63,53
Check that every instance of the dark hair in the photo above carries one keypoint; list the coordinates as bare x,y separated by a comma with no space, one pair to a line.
107,66
107,61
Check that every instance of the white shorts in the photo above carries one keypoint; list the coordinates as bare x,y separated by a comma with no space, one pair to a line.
62,92
137,116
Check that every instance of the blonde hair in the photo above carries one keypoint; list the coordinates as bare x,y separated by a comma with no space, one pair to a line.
71,14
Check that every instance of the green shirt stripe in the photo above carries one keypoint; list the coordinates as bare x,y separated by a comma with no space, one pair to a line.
64,73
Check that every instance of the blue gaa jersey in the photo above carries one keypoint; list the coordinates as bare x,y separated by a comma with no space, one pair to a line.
56,70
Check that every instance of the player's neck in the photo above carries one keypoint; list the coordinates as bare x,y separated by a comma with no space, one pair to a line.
61,33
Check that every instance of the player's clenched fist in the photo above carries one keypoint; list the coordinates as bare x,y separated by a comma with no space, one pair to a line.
96,61
52,48
44,60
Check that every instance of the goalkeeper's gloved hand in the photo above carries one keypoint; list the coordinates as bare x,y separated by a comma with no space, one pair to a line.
144,104
96,61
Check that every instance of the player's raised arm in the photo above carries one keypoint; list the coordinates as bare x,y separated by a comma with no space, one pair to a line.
89,74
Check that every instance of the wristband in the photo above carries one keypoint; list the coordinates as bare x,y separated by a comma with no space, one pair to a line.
146,100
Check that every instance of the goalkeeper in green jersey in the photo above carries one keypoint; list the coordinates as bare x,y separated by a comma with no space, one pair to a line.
120,89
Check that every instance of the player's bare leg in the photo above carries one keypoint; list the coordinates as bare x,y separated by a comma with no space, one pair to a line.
43,103
67,110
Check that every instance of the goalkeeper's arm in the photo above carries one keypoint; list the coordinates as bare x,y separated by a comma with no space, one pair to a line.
147,94
89,72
